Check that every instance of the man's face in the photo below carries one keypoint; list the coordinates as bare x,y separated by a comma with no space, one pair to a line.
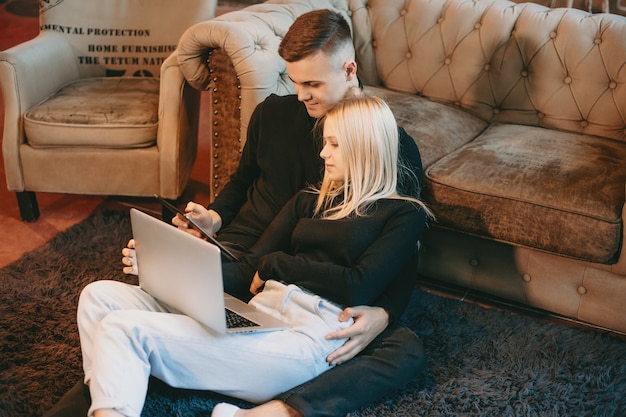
320,82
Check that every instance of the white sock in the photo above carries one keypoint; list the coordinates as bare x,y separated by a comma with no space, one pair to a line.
224,410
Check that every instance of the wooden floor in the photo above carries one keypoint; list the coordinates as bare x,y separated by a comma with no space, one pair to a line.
18,23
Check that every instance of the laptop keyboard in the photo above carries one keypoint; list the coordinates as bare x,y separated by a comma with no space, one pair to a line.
235,321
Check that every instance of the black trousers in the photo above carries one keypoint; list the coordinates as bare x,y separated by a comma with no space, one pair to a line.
389,362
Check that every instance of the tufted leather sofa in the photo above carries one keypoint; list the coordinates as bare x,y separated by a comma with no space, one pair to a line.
519,111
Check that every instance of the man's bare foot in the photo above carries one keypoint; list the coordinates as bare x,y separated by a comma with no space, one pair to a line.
107,413
273,408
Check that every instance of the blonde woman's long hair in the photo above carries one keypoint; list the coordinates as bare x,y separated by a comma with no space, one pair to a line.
367,136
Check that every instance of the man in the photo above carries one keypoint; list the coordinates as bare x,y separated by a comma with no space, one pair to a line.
281,156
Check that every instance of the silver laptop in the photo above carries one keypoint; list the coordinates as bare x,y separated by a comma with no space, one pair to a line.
185,273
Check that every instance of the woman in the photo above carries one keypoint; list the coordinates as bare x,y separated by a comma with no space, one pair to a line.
341,244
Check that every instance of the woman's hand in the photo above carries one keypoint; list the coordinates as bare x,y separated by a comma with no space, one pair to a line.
257,284
130,259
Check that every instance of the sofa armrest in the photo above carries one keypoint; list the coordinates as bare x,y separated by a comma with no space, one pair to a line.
30,72
177,136
235,56
250,38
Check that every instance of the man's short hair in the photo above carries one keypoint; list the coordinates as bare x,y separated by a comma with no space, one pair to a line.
318,30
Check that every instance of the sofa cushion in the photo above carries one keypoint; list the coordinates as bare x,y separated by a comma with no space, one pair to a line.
437,129
97,113
555,191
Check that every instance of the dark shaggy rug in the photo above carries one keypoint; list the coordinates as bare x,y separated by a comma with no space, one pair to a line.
481,361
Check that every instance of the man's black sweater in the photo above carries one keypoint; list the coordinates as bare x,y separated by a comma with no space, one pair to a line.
281,157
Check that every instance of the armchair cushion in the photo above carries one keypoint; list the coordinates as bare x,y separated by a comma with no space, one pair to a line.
97,113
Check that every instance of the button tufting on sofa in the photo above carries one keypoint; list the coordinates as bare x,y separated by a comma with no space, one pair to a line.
512,179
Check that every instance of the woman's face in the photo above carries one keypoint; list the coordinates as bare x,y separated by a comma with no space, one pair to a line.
331,154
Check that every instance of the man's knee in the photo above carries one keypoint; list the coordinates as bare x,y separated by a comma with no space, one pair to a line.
388,363
401,349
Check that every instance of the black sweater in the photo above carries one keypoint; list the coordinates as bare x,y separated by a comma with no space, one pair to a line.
364,260
281,157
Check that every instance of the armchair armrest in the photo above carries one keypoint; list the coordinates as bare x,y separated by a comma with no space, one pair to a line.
177,135
37,68
30,72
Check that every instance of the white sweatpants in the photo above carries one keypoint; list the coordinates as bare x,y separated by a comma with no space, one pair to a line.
126,336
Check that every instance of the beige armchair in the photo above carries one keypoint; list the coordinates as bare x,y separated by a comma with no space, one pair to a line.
96,103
